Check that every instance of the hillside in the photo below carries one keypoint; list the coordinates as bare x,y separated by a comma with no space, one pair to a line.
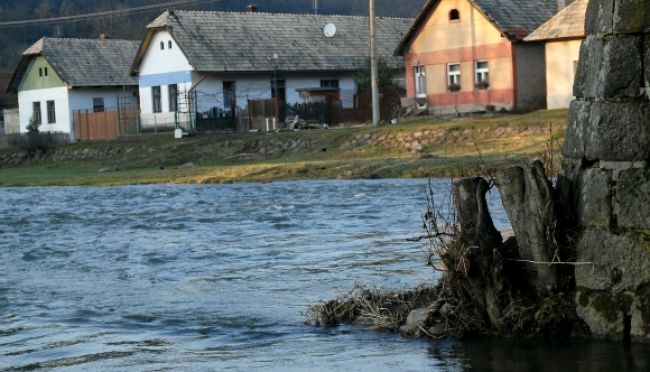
17,38
420,148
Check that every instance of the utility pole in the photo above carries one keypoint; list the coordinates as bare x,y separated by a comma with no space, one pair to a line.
373,65
316,7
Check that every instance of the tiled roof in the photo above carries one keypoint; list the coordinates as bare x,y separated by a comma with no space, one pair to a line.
83,62
514,18
518,14
246,42
568,23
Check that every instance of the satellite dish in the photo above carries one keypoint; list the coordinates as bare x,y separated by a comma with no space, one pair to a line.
330,30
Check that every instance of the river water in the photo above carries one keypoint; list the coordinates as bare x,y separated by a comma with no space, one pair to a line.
211,278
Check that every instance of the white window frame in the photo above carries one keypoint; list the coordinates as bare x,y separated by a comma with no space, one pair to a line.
453,77
481,74
420,81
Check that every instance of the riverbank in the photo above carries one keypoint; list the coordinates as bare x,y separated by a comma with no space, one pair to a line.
421,147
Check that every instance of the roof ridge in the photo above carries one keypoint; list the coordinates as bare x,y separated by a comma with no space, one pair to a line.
287,14
86,39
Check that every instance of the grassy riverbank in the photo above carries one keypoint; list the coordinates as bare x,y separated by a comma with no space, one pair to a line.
420,147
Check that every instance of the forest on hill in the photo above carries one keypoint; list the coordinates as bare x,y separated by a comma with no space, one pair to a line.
15,39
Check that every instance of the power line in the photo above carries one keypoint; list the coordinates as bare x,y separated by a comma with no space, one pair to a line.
80,17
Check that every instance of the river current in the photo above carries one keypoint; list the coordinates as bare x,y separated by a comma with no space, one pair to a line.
212,278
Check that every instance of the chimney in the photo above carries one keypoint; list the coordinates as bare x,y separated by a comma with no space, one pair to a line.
252,8
103,37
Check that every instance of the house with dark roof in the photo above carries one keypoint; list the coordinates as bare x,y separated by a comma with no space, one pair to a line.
56,77
562,36
470,55
203,62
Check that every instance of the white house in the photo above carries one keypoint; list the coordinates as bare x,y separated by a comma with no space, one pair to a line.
57,77
194,62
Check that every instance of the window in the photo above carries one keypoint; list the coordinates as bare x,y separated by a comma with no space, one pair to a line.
155,94
173,98
169,45
453,77
482,78
420,81
331,83
51,112
162,45
454,15
45,71
98,104
40,71
36,115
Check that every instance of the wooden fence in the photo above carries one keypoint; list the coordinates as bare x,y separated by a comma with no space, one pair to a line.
108,125
89,126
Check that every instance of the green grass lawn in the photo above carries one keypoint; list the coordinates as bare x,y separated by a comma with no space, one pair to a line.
450,148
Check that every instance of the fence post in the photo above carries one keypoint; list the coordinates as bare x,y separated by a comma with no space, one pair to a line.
250,115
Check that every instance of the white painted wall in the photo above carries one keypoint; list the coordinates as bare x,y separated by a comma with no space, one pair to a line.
210,92
157,61
82,98
66,101
347,85
60,97
166,118
163,67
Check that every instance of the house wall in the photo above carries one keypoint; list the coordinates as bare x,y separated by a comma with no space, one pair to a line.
210,92
66,102
82,98
59,95
530,76
561,62
440,42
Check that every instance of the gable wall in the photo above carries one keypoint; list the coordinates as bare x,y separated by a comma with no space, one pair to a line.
32,80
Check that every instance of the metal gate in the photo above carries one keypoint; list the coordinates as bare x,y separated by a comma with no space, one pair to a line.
128,115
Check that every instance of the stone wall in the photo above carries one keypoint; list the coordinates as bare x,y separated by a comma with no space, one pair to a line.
608,152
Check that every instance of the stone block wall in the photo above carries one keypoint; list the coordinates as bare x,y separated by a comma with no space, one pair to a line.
608,161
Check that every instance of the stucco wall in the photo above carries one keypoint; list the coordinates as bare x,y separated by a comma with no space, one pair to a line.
530,76
561,62
36,76
440,42
58,95
164,67
66,101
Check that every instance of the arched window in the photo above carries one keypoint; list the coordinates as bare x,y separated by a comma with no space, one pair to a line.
169,44
454,15
162,45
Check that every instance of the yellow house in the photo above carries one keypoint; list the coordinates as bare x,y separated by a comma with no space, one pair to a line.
469,55
563,35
